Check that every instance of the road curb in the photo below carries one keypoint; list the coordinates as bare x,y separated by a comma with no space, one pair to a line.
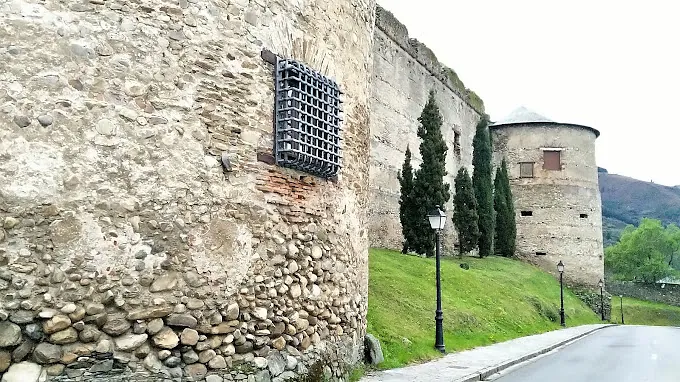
486,372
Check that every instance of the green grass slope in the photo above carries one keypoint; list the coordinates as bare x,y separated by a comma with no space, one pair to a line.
640,312
497,299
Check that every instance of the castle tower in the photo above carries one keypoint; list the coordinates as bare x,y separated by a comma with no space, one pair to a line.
553,177
181,178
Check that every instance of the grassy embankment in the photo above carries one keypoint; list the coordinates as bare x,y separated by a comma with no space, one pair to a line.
497,299
640,312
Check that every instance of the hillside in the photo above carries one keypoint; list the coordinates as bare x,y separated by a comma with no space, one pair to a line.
639,312
497,299
627,200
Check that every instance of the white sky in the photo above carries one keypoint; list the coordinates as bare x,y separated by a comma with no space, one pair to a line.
612,65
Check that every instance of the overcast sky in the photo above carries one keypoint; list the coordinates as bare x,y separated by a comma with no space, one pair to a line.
612,65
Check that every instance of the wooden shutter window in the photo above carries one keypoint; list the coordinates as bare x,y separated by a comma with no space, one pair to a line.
551,160
526,170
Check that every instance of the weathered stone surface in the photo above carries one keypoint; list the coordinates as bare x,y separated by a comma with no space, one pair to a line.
10,334
279,343
102,366
166,339
65,336
217,362
22,372
213,378
189,337
5,360
206,355
89,333
130,342
152,312
152,363
116,326
260,313
163,283
45,353
56,323
104,346
232,312
154,326
23,350
190,357
54,370
94,308
276,363
197,371
373,349
184,320
22,317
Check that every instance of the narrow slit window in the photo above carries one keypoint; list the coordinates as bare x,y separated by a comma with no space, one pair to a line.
456,143
541,253
583,216
527,213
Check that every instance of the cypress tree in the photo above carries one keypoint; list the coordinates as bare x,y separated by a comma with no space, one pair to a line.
499,206
405,200
510,211
465,216
483,185
506,229
429,188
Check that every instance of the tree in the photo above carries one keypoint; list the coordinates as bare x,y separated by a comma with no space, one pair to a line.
505,229
406,207
429,188
643,253
465,216
483,186
510,211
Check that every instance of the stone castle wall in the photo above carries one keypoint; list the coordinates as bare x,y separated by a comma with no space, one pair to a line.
404,72
127,251
556,199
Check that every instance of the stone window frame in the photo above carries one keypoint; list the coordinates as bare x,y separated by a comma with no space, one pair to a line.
522,173
554,163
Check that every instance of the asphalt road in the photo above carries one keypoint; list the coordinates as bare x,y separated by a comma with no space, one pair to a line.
615,354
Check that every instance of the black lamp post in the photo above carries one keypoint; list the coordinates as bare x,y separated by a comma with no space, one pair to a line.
560,268
601,284
437,220
621,297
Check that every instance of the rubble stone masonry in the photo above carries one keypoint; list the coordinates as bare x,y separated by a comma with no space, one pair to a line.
128,252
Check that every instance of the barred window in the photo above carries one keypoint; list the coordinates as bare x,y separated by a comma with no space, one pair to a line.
308,113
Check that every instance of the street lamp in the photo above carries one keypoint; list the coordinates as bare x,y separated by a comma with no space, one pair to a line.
437,220
621,297
560,268
601,284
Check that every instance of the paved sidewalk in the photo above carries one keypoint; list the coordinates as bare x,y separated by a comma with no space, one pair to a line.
479,363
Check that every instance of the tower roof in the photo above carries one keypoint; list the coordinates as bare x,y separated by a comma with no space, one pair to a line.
524,116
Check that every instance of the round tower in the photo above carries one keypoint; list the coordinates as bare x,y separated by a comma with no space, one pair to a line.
553,178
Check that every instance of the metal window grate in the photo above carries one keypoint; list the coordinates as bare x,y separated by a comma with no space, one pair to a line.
307,120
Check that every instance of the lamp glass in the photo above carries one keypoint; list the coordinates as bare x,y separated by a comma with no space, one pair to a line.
600,284
560,267
437,218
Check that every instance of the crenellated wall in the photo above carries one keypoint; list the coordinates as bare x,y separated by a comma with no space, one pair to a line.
127,250
404,72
